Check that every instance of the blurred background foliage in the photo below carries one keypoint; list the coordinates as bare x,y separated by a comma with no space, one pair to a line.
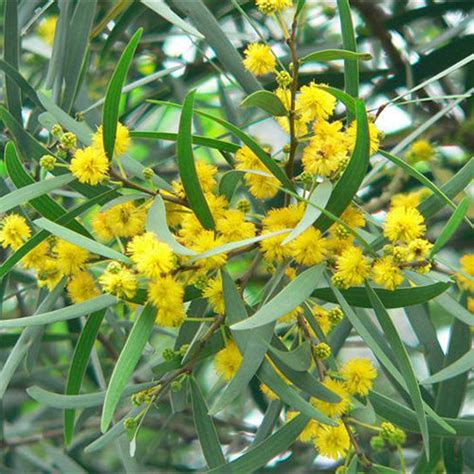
410,40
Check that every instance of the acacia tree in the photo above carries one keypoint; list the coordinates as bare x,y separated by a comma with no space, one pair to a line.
219,253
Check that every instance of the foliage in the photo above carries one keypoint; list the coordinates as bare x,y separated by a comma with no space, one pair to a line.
212,230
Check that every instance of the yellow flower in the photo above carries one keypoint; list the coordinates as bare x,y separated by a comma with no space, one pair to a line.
234,227
421,150
90,165
215,294
81,287
119,281
207,240
260,186
310,430
309,248
333,410
151,257
387,273
322,318
228,360
47,28
259,59
419,249
167,295
268,7
36,257
352,268
207,179
406,200
467,266
14,231
291,316
100,225
122,139
125,220
374,133
470,304
324,130
324,157
332,441
404,224
359,375
313,102
49,275
70,258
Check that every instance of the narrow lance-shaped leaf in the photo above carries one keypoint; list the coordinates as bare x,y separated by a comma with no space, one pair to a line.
266,101
334,55
114,91
404,362
461,365
126,363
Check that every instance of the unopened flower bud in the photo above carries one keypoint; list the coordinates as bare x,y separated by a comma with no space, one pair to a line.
130,424
114,267
335,315
283,79
68,140
377,443
201,282
286,148
244,206
56,130
176,385
322,350
48,162
148,173
169,354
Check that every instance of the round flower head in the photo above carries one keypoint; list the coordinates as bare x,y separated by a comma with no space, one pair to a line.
36,257
324,157
81,287
352,268
119,281
259,59
310,430
233,226
126,220
374,133
207,240
467,266
333,410
406,200
70,258
419,249
215,295
228,360
47,29
100,225
322,318
359,375
421,150
269,7
309,248
122,139
14,231
385,272
207,179
332,441
49,275
404,224
167,294
90,165
313,102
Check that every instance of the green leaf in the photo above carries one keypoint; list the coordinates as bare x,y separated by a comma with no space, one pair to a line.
451,226
156,222
260,454
298,359
187,166
461,365
126,363
266,101
160,8
295,293
229,182
32,191
404,362
318,198
80,240
79,362
110,114
399,298
63,314
349,183
205,428
334,55
197,140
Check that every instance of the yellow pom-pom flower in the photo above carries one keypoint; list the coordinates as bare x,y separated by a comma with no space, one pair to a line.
322,318
70,258
122,139
421,150
259,59
36,257
333,410
119,281
387,273
332,441
467,266
47,29
419,249
14,231
123,220
269,7
359,375
207,240
309,432
352,268
167,295
233,226
49,275
324,157
82,287
374,133
404,225
100,225
313,102
309,248
406,200
90,165
215,294
151,257
228,360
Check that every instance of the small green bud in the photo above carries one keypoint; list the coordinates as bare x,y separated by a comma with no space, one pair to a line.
322,350
286,148
68,141
336,315
176,385
148,173
329,11
283,79
137,399
377,443
341,232
169,354
62,154
392,434
130,424
48,162
114,267
305,177
56,130
201,282
183,349
244,206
